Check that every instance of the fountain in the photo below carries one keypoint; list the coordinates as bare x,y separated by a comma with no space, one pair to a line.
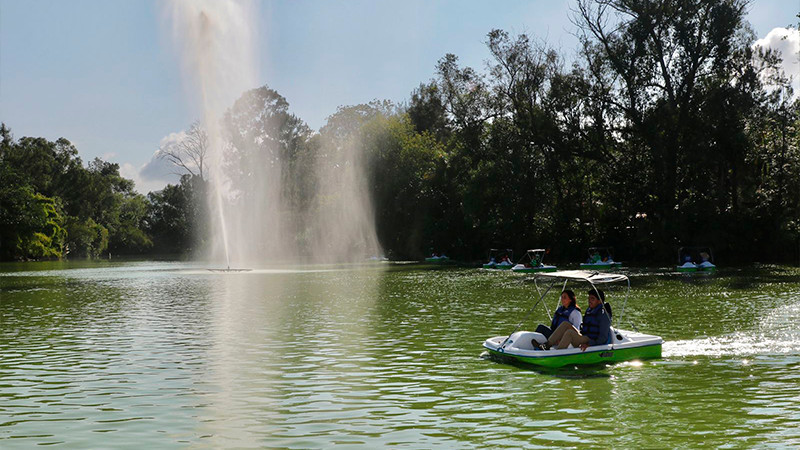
253,222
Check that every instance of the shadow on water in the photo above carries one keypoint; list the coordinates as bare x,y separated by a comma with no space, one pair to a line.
565,372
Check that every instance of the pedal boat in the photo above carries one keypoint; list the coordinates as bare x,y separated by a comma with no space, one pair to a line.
604,260
532,262
687,256
505,257
437,259
624,345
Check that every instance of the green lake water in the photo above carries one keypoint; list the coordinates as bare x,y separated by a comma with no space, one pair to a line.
170,355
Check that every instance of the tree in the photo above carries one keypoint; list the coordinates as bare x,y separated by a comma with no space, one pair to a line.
86,238
30,224
665,70
189,153
176,216
427,112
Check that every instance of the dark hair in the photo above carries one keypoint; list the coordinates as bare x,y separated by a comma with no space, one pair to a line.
599,294
572,301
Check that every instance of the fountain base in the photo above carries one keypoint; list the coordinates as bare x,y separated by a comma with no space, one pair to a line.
229,270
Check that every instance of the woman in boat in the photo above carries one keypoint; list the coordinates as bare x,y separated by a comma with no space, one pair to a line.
595,329
569,312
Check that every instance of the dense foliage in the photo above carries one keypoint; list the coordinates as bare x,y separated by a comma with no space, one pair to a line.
669,129
53,206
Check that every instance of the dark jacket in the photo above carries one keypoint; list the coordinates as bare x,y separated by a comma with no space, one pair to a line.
596,325
561,315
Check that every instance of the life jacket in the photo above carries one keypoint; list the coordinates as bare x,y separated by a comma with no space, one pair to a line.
561,315
591,322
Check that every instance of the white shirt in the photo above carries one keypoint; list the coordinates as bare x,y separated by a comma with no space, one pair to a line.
575,318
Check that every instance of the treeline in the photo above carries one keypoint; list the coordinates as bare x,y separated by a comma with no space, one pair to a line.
669,129
53,206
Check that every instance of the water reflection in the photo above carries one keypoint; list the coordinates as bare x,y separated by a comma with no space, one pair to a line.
171,355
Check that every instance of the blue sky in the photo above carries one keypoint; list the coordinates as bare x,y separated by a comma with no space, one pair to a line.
104,75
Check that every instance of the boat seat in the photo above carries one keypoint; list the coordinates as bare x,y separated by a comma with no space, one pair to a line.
524,340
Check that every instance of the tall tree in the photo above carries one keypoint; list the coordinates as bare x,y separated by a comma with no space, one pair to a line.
189,152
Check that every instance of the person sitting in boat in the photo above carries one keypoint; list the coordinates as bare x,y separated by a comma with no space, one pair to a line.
595,329
595,258
569,312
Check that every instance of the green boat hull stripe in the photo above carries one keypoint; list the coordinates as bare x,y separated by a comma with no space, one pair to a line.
588,357
531,270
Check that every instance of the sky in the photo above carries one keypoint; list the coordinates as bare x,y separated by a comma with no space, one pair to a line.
105,74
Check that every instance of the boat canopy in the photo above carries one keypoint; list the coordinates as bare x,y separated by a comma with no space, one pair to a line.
588,276
585,275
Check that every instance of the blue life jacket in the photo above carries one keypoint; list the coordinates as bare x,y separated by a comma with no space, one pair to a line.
592,321
561,315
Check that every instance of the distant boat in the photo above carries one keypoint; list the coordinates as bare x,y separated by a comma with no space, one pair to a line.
437,258
500,259
600,258
695,259
623,345
533,262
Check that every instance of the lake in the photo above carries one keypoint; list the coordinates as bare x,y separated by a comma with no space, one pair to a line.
171,355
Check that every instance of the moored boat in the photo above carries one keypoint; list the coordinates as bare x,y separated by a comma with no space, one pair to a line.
623,345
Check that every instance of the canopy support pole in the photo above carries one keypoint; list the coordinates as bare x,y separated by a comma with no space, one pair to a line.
528,313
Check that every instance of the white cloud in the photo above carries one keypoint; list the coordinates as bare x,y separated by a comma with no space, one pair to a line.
172,139
156,173
158,169
787,42
151,176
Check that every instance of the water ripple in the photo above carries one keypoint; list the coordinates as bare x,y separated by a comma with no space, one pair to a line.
169,355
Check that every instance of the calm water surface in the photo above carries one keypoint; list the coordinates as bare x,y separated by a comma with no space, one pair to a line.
130,355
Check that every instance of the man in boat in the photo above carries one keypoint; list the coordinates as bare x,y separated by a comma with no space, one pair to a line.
595,329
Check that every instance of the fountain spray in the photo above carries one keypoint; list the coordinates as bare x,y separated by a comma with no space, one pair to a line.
214,40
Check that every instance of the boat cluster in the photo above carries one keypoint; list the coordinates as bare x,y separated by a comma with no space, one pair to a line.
690,259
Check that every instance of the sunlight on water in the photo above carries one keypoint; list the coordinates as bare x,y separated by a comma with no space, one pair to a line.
736,344
776,334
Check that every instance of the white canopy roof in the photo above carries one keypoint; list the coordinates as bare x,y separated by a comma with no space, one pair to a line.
585,275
